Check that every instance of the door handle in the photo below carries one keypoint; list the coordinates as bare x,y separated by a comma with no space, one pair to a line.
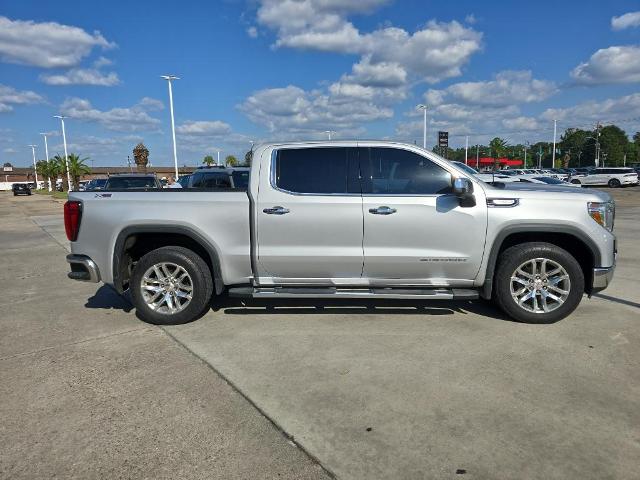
382,210
276,210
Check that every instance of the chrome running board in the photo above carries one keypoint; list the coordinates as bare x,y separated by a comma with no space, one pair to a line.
334,292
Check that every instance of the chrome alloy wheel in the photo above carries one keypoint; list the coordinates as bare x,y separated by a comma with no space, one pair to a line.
540,285
167,288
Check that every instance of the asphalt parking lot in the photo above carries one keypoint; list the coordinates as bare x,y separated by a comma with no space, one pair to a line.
352,390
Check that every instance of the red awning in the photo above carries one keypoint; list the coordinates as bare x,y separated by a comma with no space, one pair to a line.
486,161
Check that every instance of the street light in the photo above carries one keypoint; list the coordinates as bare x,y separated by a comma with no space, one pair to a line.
424,124
553,159
66,157
46,152
328,132
35,168
169,79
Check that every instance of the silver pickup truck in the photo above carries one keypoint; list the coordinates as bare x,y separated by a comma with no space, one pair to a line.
357,220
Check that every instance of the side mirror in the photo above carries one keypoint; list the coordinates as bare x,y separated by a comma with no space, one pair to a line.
463,189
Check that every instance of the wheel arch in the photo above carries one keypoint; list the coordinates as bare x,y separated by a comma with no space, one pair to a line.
135,241
571,239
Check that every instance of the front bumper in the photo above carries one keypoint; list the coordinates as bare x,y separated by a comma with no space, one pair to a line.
83,269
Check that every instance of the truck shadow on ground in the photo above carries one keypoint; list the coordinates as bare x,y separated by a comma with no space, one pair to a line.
237,306
107,298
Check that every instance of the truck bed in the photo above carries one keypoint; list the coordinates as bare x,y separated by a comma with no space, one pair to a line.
222,217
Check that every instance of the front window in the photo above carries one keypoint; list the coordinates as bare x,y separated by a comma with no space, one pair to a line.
126,183
212,181
392,171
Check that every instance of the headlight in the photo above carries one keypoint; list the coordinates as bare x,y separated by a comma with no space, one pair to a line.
603,213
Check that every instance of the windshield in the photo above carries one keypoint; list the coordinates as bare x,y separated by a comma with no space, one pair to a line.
465,168
550,181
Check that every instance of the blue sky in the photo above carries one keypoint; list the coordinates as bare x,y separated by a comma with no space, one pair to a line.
264,70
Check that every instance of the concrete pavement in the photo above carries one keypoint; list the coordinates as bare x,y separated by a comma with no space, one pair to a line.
88,391
371,389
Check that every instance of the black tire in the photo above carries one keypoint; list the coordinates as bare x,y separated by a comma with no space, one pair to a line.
15,194
614,183
576,181
515,256
201,281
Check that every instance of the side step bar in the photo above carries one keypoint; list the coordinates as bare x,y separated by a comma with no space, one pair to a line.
333,292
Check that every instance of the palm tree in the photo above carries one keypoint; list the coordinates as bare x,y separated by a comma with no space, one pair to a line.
499,148
208,160
77,168
44,168
230,161
60,167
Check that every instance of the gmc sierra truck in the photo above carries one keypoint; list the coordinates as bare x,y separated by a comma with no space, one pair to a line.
357,220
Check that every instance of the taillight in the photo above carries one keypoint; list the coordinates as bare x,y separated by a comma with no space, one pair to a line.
72,217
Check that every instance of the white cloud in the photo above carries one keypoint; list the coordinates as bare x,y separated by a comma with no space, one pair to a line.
47,44
134,118
9,96
508,88
631,19
613,110
252,32
82,76
294,111
434,52
521,123
209,128
620,64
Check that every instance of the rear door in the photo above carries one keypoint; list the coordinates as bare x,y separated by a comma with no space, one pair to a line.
415,231
309,217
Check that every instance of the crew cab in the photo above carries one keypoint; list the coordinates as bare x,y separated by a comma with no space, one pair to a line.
355,220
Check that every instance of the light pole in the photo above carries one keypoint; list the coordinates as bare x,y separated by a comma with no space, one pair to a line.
526,146
169,79
218,160
424,124
553,157
66,156
46,152
35,168
328,132
466,149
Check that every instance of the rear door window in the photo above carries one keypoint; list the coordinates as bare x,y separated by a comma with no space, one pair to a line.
321,170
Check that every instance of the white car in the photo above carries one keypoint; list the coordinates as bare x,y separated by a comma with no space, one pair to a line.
486,177
547,181
612,177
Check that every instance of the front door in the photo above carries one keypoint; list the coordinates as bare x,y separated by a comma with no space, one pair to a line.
309,217
415,231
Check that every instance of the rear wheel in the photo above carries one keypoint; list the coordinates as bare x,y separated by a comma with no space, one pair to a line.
538,282
170,286
576,181
614,183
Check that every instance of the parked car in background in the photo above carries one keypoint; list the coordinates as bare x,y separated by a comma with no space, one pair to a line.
184,180
21,189
613,177
547,181
486,177
132,181
95,184
220,178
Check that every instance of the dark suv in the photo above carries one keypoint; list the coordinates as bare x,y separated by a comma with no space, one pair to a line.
233,178
132,181
21,189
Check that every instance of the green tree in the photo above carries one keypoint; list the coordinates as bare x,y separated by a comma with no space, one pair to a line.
498,148
613,142
61,167
208,160
230,161
77,168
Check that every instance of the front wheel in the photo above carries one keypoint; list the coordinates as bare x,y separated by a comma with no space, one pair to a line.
170,286
575,181
538,282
